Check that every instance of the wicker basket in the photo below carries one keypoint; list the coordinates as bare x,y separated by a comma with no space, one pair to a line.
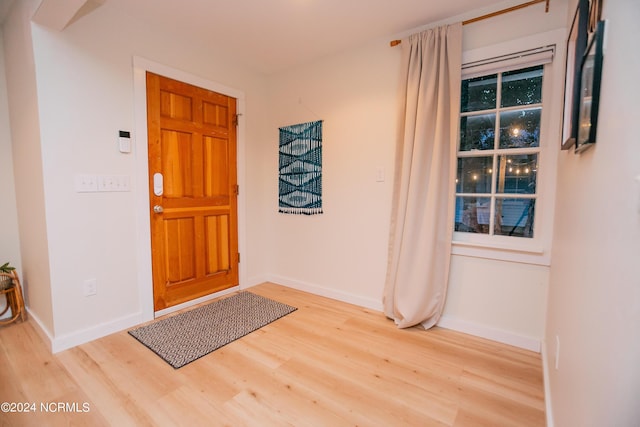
5,282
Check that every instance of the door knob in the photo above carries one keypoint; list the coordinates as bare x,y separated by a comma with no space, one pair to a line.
158,209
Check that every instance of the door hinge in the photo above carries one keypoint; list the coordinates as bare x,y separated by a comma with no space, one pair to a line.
236,190
238,257
236,119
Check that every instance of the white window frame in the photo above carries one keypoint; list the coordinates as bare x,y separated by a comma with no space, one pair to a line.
535,250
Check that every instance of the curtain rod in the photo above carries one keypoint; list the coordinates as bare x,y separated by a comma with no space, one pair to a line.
492,14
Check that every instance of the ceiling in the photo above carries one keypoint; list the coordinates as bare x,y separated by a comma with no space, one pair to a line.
272,35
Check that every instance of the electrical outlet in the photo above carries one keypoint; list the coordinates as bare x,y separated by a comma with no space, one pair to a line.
90,287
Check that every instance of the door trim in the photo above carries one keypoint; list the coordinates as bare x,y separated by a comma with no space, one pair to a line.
141,191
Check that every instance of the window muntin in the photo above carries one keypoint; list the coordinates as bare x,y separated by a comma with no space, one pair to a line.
498,153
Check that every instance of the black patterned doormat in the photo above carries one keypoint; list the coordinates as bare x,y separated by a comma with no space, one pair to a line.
188,336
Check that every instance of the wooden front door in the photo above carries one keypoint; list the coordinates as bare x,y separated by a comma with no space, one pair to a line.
192,191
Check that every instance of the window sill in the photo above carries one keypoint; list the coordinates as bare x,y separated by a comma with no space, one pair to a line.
519,254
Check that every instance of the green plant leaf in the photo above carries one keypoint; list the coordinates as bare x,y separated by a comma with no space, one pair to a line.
6,268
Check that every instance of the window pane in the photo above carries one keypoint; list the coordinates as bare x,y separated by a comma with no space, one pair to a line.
474,175
517,174
522,87
514,217
472,214
477,132
520,129
479,94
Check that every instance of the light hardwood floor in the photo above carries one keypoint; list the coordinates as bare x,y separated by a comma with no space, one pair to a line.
327,364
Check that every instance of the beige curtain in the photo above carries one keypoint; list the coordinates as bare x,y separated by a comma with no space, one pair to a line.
423,200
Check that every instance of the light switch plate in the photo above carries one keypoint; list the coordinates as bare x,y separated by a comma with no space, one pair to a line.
86,183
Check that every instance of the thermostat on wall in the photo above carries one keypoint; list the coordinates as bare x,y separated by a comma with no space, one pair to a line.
124,141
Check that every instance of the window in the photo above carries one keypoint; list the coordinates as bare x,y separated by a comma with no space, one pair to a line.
498,154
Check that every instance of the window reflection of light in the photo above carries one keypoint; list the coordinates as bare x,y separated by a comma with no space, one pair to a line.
516,131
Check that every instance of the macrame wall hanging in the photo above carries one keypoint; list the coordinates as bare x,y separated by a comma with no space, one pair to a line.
300,169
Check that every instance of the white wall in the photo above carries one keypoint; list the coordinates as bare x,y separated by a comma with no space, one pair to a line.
9,236
27,162
9,240
343,253
594,291
85,91
501,300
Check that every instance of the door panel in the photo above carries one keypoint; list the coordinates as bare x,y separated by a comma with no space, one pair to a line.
181,248
216,168
217,236
192,142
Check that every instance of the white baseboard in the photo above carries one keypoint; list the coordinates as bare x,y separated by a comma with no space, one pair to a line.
483,331
322,291
73,339
89,334
470,328
547,385
83,336
44,333
67,341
